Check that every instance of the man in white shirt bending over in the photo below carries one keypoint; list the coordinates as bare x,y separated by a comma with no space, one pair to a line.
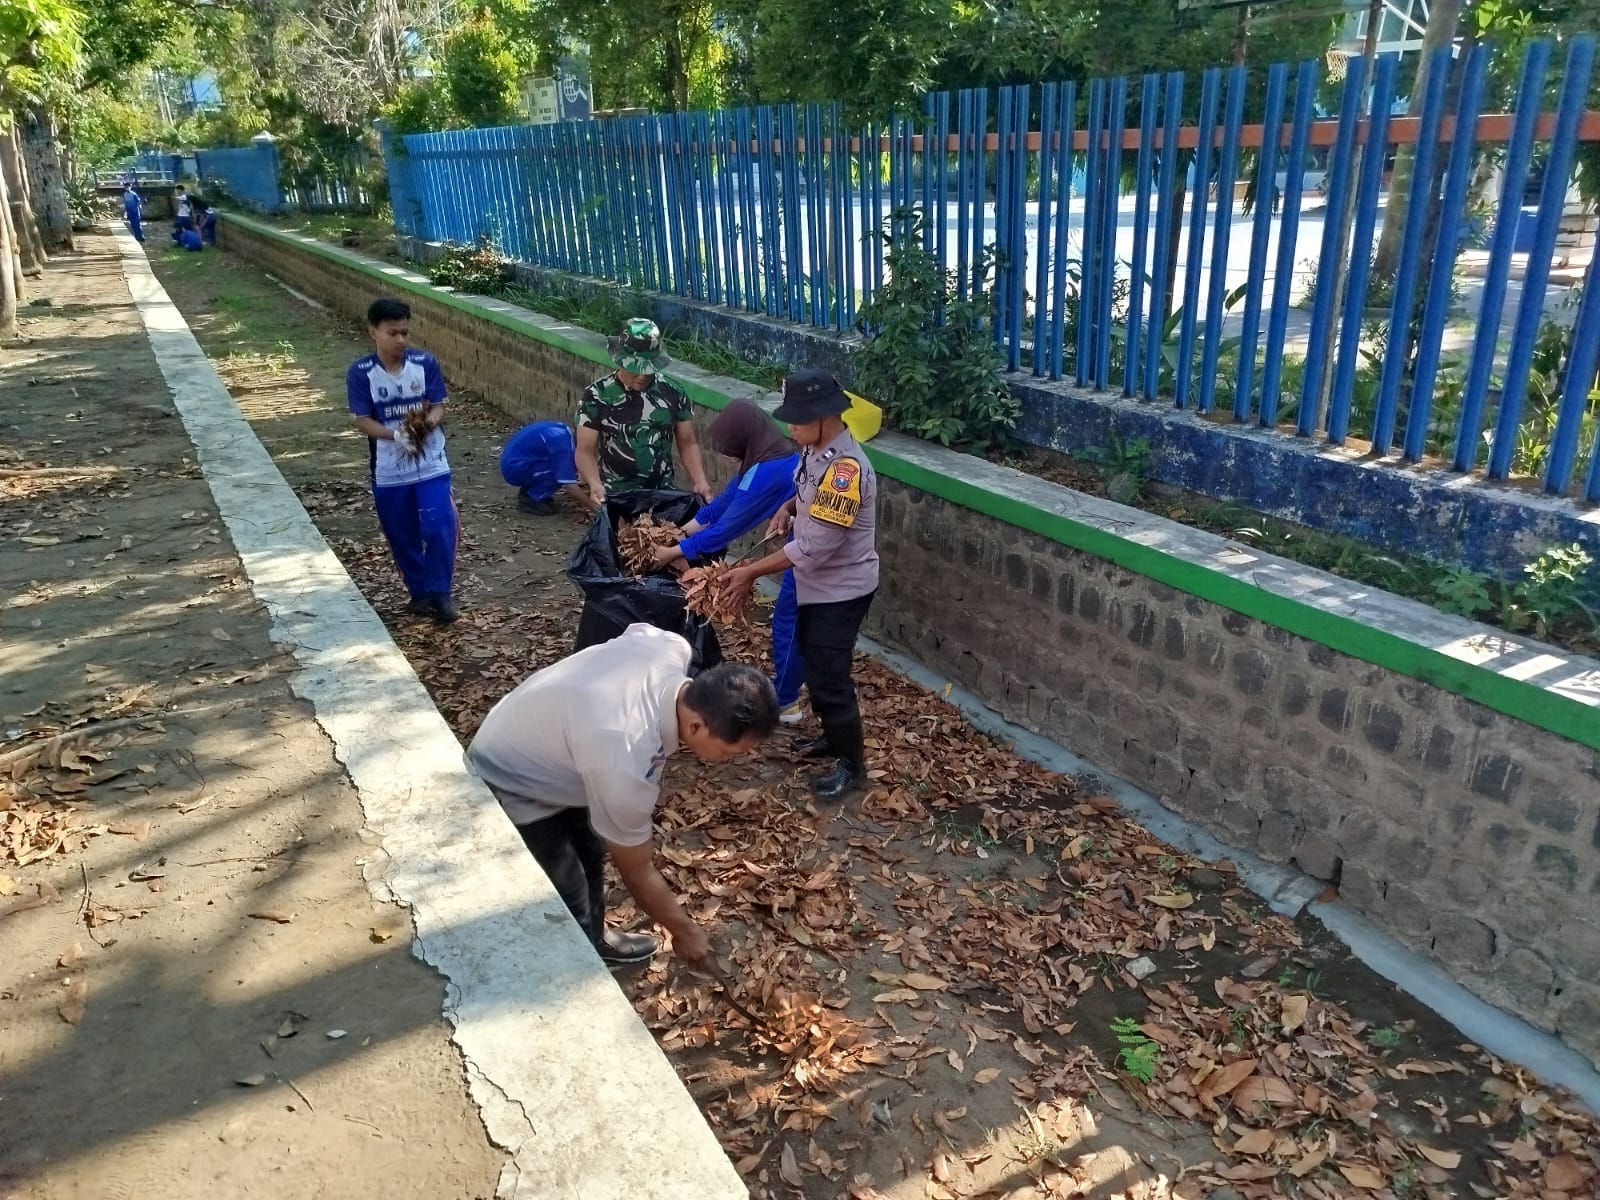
575,756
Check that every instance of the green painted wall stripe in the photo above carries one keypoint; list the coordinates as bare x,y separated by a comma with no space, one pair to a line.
1514,697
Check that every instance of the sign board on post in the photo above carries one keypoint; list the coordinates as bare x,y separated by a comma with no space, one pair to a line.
541,101
576,96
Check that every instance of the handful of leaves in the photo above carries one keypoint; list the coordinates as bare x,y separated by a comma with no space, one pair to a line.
638,541
704,595
415,424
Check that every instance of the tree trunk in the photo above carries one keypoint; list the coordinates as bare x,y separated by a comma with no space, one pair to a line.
29,243
1443,18
47,181
10,277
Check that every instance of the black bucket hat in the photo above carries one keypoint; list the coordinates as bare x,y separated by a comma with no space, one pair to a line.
809,396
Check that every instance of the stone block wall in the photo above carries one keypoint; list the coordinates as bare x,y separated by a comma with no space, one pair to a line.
1471,836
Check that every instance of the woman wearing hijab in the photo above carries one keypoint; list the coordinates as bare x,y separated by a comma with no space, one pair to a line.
764,483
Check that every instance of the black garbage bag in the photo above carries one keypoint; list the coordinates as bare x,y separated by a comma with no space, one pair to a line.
614,599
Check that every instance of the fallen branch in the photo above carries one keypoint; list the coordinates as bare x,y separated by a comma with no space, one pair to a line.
51,472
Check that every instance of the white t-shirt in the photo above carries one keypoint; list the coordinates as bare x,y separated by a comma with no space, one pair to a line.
372,391
593,731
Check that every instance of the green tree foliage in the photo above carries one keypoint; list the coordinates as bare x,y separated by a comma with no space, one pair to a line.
480,72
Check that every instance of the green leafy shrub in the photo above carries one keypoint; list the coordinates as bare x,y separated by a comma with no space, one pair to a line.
1138,1055
929,358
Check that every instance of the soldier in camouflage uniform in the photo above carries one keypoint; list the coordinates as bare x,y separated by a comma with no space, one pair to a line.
629,421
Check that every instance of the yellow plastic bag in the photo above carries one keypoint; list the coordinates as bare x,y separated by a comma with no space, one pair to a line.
863,418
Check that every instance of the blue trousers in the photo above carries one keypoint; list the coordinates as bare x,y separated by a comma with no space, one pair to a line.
789,666
135,224
420,522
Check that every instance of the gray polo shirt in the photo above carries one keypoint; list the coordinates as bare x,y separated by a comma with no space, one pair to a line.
592,731
834,551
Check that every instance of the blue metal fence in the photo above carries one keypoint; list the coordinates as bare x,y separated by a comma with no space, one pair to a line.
249,175
1122,254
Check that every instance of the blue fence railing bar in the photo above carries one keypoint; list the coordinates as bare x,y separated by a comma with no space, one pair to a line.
1123,256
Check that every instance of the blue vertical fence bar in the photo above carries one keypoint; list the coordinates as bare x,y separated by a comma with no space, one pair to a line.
1002,216
1048,163
1575,388
964,203
941,158
771,245
1227,173
1166,184
1106,251
980,182
1017,243
1260,235
749,227
1359,268
1088,274
1418,209
1305,94
1552,200
1436,302
1322,314
849,235
1194,263
794,251
1131,362
1514,173
1067,122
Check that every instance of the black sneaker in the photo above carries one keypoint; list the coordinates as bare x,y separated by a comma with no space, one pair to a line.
420,606
444,608
618,947
840,784
539,508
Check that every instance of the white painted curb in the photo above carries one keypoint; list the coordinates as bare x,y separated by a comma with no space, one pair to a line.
565,1075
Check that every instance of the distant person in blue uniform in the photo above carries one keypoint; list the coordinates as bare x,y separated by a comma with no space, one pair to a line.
763,484
132,210
182,212
410,476
539,461
189,239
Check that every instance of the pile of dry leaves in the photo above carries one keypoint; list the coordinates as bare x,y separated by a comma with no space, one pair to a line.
980,928
704,595
48,767
639,539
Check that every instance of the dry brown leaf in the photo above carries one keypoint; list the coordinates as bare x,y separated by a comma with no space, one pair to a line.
1294,1012
75,1001
72,956
787,1167
987,1075
1223,1080
896,996
1256,1142
1308,1164
137,830
1448,1159
1565,1174
272,914
924,983
1263,1089
1362,1176
222,635
957,1063
941,1168
1173,900
8,885
1523,1150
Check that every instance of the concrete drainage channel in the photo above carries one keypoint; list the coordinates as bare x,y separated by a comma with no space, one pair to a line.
557,1060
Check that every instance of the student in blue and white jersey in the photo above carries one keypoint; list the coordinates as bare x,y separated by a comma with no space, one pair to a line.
763,483
410,479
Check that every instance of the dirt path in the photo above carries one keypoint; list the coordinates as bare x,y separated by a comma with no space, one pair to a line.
981,982
184,920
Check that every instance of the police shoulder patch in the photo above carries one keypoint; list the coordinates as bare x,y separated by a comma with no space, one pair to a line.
838,497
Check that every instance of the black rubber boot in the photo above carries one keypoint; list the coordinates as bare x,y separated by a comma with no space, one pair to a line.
813,747
444,608
849,774
847,779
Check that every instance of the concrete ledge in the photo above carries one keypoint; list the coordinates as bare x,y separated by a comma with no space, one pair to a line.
566,1076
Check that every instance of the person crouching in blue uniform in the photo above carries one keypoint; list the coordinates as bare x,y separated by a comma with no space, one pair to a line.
410,477
539,460
764,484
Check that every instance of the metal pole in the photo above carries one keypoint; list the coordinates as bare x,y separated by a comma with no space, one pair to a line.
1369,51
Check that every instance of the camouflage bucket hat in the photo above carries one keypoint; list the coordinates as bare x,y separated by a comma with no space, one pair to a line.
638,347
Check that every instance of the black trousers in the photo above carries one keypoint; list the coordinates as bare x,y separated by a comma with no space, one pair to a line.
573,855
826,635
